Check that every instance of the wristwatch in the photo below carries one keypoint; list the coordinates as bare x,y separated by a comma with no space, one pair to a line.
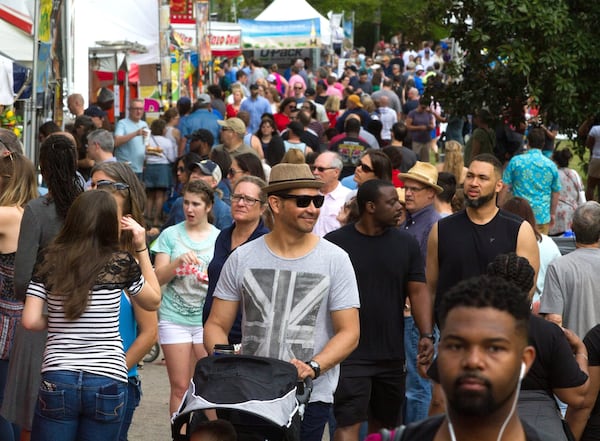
429,336
316,367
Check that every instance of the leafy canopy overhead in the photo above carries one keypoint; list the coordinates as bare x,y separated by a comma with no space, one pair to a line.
519,48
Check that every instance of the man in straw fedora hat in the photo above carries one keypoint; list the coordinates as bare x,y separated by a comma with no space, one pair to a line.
420,189
299,293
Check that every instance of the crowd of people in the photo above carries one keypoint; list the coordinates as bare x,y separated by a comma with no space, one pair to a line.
342,221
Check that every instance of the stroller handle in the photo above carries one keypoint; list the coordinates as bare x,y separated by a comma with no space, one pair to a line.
304,390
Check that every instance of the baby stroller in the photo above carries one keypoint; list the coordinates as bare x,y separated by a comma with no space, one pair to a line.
260,396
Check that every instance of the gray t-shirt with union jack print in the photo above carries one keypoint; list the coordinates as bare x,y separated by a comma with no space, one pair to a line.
286,303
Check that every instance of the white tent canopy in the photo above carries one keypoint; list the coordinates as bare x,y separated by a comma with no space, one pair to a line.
284,10
95,20
16,43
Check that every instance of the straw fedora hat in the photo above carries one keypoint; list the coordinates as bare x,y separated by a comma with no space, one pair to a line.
425,173
289,176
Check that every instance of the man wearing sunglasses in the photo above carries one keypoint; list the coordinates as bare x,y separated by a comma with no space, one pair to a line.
327,168
299,293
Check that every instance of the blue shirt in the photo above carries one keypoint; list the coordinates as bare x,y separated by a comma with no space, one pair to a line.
255,108
419,224
533,177
134,150
201,119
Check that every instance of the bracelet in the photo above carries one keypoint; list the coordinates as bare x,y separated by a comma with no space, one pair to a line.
582,354
142,250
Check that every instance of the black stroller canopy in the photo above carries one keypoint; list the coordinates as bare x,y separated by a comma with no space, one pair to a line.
263,387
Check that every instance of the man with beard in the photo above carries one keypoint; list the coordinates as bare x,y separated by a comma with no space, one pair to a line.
461,246
483,356
389,268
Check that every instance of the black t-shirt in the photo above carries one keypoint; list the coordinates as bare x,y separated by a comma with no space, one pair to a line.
383,265
426,430
351,150
554,365
465,249
592,343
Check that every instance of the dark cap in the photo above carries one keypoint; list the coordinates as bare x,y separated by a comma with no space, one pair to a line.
94,111
184,100
253,86
310,92
207,168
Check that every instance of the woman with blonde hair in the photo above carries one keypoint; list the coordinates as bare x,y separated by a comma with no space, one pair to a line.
17,187
233,108
294,156
454,162
332,108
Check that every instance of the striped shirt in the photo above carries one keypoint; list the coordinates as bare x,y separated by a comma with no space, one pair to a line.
92,342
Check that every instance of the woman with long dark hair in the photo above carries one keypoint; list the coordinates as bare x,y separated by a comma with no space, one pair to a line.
42,220
137,326
80,280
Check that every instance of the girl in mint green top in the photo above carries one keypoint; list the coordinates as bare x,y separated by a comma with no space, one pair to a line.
183,253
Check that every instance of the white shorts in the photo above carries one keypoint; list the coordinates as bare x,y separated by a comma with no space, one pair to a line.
171,333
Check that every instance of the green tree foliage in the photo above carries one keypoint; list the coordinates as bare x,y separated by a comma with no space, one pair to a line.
519,48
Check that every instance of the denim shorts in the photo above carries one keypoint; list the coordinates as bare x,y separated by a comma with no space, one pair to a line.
80,406
158,176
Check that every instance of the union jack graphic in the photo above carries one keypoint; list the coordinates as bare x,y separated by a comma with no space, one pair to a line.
280,312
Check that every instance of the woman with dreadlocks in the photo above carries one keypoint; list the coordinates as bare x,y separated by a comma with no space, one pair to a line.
42,220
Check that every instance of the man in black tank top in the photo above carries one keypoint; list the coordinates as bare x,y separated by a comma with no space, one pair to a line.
461,246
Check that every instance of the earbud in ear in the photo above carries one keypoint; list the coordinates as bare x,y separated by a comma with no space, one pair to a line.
523,371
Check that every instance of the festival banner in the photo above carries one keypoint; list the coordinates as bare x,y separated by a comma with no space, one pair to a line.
280,34
202,10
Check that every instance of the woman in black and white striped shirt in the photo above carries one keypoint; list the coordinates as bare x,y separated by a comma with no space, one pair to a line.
84,375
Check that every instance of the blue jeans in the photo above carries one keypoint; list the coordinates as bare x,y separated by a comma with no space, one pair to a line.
134,395
316,415
418,390
8,431
79,406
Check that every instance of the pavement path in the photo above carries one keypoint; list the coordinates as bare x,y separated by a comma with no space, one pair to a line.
151,419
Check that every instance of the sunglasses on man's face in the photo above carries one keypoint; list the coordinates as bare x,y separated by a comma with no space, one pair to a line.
303,201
